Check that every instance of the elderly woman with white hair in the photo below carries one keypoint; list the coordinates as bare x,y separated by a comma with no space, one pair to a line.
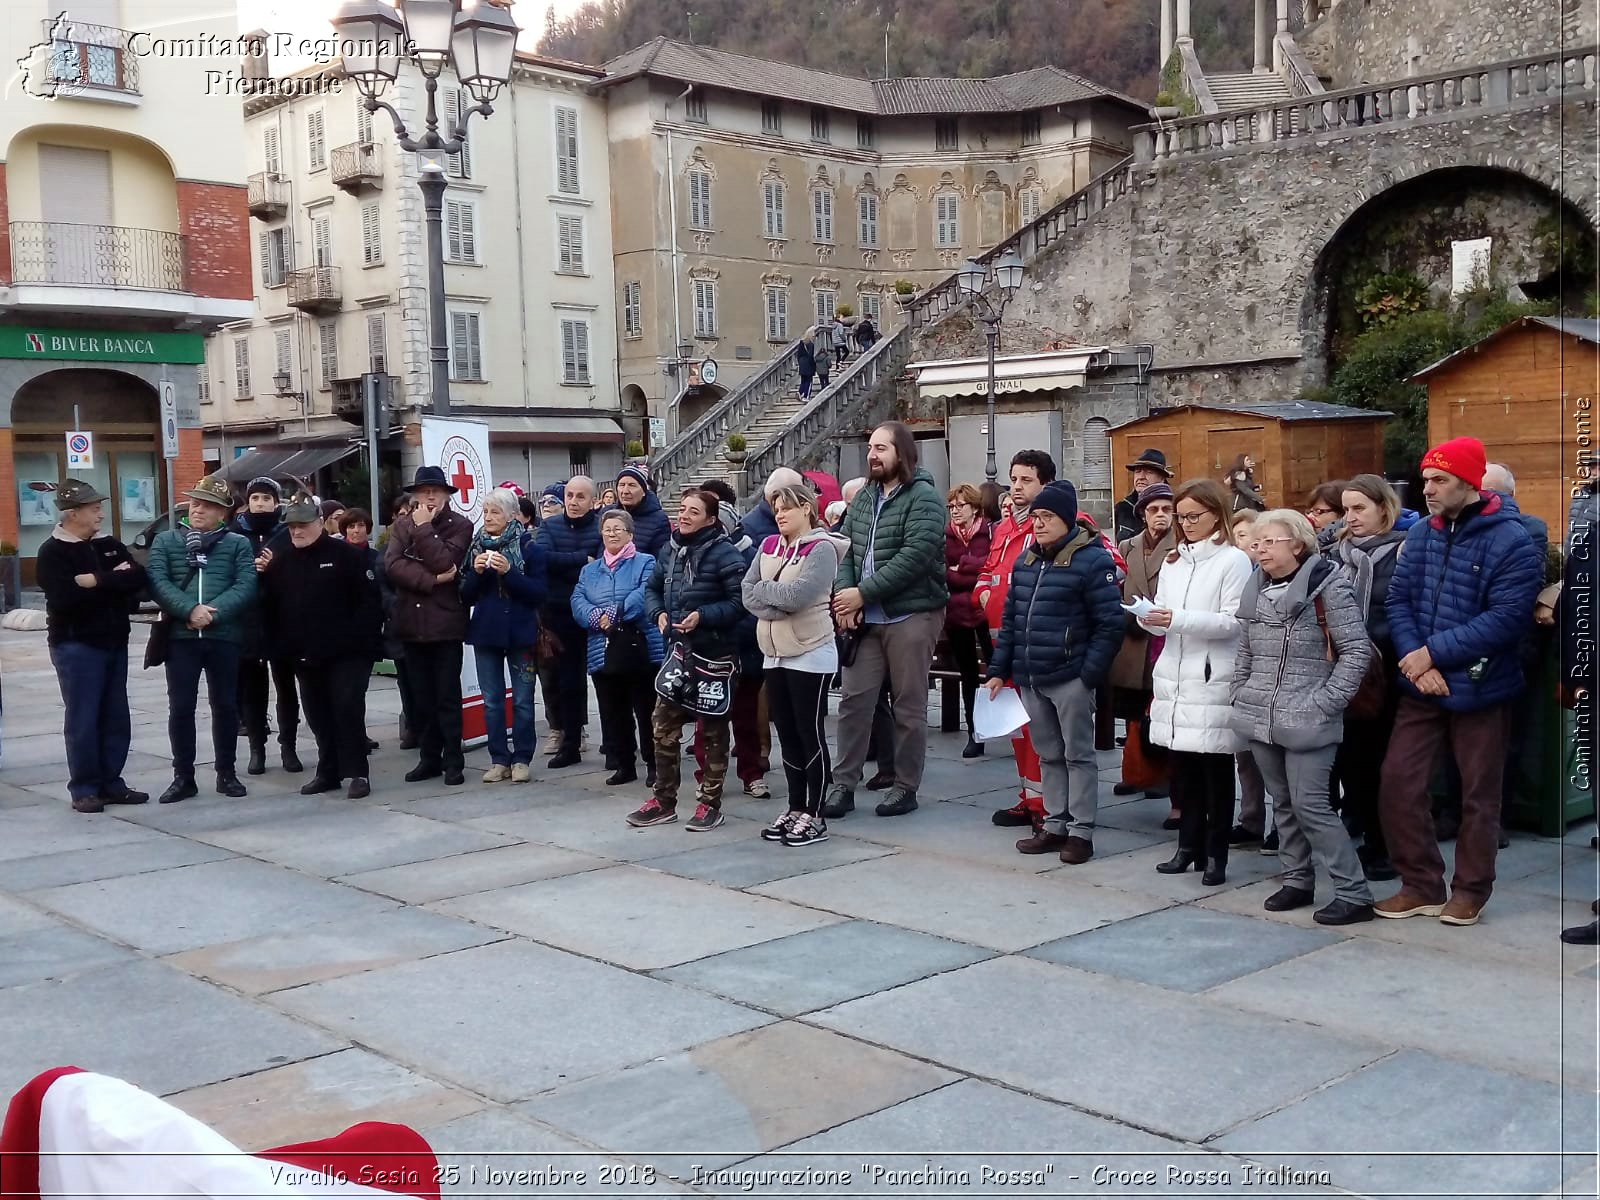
503,580
1302,653
760,522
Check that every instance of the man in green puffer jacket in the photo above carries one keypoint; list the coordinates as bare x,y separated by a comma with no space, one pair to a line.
891,596
204,579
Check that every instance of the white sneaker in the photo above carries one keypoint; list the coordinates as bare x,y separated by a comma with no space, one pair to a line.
520,773
583,743
552,742
497,774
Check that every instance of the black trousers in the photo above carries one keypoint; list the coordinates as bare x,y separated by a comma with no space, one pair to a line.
433,675
1202,788
880,746
334,693
969,647
626,703
572,678
218,660
798,703
253,674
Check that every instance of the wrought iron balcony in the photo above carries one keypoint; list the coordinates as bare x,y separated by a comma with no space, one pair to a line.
90,56
98,256
357,166
315,289
267,195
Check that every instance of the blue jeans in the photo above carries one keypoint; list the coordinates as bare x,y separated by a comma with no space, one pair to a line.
493,666
218,659
94,692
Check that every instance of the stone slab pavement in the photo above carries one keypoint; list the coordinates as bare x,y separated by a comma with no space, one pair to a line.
566,1005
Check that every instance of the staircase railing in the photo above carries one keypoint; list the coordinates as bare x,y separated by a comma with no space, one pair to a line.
731,414
1535,79
1298,72
1194,79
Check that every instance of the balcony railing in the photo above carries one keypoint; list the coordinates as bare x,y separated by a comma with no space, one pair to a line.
266,195
357,165
90,56
315,289
105,256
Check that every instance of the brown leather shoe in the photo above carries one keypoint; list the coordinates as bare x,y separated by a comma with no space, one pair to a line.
88,804
1077,850
1042,843
1460,911
1406,903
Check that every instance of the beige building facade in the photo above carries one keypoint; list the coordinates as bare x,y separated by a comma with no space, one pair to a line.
753,198
339,258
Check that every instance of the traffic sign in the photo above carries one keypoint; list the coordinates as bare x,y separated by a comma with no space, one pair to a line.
169,419
80,450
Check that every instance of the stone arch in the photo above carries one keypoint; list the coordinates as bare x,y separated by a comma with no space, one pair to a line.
697,402
1306,295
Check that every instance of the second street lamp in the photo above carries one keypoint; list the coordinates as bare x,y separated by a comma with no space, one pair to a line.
481,39
1006,274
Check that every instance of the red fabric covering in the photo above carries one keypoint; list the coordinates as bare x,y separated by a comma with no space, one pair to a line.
394,1158
19,1138
827,488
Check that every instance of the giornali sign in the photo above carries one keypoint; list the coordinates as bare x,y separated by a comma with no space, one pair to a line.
95,345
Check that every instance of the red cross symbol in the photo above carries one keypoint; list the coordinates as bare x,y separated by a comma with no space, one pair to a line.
464,480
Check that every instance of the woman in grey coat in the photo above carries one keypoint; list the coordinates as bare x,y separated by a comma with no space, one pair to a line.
1302,653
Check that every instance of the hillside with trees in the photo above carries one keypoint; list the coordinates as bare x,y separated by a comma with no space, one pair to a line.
1112,42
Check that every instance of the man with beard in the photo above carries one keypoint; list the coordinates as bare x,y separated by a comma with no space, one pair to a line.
323,613
570,540
266,533
891,597
650,525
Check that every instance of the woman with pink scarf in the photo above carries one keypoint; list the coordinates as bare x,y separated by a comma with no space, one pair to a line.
624,650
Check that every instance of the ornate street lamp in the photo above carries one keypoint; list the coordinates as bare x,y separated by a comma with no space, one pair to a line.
1006,274
477,37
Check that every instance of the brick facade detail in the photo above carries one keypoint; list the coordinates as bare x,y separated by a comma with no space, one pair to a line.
190,464
216,228
10,518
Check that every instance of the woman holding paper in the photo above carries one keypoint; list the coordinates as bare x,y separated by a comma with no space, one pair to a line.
1200,588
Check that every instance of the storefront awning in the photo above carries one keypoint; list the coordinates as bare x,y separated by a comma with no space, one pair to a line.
1043,372
508,429
280,462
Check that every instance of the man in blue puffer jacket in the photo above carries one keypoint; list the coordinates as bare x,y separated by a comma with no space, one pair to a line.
570,541
1461,598
1061,630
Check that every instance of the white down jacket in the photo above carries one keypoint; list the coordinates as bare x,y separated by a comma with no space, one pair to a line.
1193,678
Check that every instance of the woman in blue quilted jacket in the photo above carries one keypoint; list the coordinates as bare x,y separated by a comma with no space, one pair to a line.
624,649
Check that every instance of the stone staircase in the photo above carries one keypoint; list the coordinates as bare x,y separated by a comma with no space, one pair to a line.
1237,90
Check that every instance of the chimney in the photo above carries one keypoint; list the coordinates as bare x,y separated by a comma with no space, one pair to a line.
253,62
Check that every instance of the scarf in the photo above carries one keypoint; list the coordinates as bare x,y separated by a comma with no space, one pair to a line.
509,543
967,533
622,555
200,545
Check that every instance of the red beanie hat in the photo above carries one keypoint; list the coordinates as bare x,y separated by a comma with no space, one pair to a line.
1463,457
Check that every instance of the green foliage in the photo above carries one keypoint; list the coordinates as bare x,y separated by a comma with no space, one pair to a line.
736,443
635,448
1385,298
844,310
904,287
1172,74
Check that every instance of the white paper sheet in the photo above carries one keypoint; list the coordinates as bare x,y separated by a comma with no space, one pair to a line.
1140,608
1000,717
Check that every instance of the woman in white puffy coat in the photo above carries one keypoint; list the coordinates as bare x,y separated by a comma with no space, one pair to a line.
1201,585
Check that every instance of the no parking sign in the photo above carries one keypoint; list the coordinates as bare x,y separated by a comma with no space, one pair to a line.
80,450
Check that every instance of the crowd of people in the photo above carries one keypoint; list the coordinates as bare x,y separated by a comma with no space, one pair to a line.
1287,679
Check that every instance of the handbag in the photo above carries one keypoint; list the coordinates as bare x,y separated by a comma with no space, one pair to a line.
1369,699
155,650
696,683
627,651
547,648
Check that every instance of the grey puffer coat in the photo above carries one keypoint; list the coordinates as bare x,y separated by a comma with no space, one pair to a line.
1287,691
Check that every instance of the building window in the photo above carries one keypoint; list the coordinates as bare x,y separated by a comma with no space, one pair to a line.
1032,128
632,310
821,215
203,383
826,303
946,219
946,134
282,357
705,308
377,344
327,352
772,117
460,231
241,368
567,150
274,256
363,124
1030,204
872,307
371,239
459,164
699,199
867,211
777,313
1097,453
321,241
269,150
694,107
819,124
316,140
569,245
772,195
466,347
866,133
574,351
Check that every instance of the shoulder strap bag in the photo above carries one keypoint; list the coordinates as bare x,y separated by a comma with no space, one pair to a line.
155,650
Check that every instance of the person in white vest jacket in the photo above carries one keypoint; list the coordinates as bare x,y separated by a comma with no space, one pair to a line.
1201,585
788,589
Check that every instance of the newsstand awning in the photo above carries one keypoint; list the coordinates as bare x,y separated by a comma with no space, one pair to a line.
1043,372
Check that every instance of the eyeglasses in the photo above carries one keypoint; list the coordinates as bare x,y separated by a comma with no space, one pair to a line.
1277,541
1194,518
1322,512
